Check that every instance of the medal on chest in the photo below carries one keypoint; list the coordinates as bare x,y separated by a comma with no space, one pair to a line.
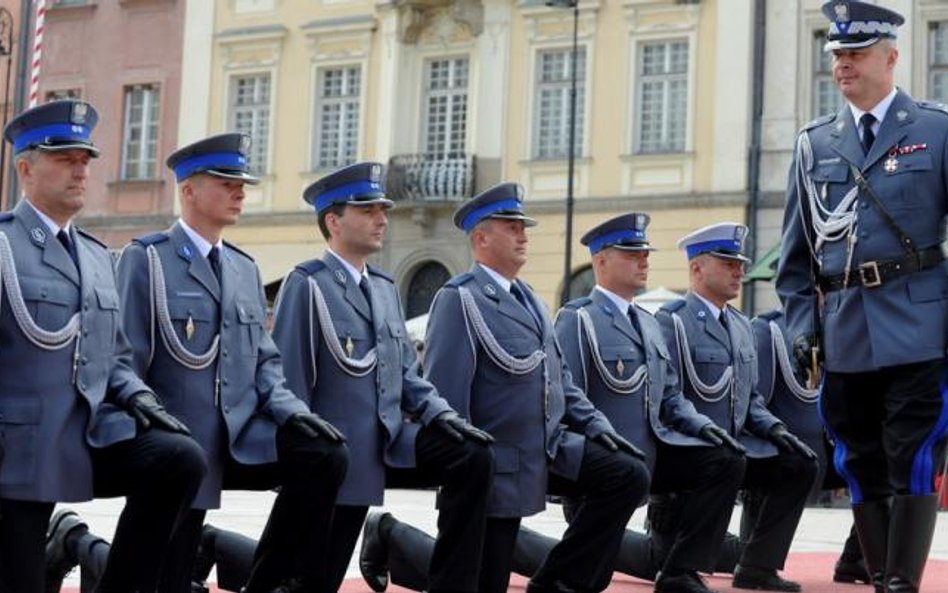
891,164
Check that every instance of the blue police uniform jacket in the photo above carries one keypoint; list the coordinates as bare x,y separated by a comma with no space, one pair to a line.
903,320
737,406
782,392
538,418
370,407
671,418
234,404
56,404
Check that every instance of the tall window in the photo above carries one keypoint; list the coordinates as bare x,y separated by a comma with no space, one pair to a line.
554,69
250,114
337,117
140,132
938,61
446,108
662,96
826,96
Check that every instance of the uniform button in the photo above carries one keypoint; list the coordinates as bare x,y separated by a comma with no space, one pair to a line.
225,382
864,205
85,332
84,360
226,324
227,409
82,385
384,416
85,307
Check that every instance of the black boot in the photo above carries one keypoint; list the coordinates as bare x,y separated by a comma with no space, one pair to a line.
731,549
530,551
911,527
871,520
373,556
233,554
409,556
850,567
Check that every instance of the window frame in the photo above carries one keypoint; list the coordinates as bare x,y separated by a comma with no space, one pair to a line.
666,79
564,86
150,130
233,109
321,101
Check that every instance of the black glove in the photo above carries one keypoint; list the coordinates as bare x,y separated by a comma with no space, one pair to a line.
803,353
147,410
788,442
313,426
614,441
458,428
719,437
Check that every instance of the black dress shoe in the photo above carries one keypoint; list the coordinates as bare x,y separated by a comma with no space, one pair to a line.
851,571
688,582
762,579
59,560
554,587
373,556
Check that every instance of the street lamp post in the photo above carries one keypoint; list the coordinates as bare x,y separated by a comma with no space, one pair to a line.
571,158
6,49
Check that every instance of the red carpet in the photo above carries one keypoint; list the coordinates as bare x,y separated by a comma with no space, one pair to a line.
812,570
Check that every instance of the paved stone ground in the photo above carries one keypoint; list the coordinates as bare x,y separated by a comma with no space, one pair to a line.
821,529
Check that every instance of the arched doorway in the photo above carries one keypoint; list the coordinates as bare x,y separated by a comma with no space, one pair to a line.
580,283
427,278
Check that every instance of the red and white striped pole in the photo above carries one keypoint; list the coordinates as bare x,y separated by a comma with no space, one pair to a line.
37,51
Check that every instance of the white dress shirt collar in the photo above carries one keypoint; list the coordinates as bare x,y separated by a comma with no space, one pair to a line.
202,244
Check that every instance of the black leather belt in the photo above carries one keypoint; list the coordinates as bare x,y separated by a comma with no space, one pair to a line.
876,273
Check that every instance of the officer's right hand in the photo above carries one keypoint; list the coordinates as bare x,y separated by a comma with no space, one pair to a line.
615,441
147,410
803,352
458,428
313,426
719,437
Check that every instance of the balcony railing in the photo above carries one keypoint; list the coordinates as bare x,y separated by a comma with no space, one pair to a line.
426,178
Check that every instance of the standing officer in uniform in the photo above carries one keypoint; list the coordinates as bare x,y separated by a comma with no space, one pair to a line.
616,351
346,352
75,420
713,349
862,280
491,350
194,307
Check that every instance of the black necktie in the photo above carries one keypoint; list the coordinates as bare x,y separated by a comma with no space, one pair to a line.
366,292
214,257
868,137
522,299
634,319
69,246
723,319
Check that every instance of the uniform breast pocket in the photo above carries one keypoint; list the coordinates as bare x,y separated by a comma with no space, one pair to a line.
250,319
710,362
19,428
355,339
50,302
829,179
194,321
910,174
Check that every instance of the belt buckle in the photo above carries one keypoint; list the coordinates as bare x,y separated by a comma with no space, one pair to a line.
869,274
